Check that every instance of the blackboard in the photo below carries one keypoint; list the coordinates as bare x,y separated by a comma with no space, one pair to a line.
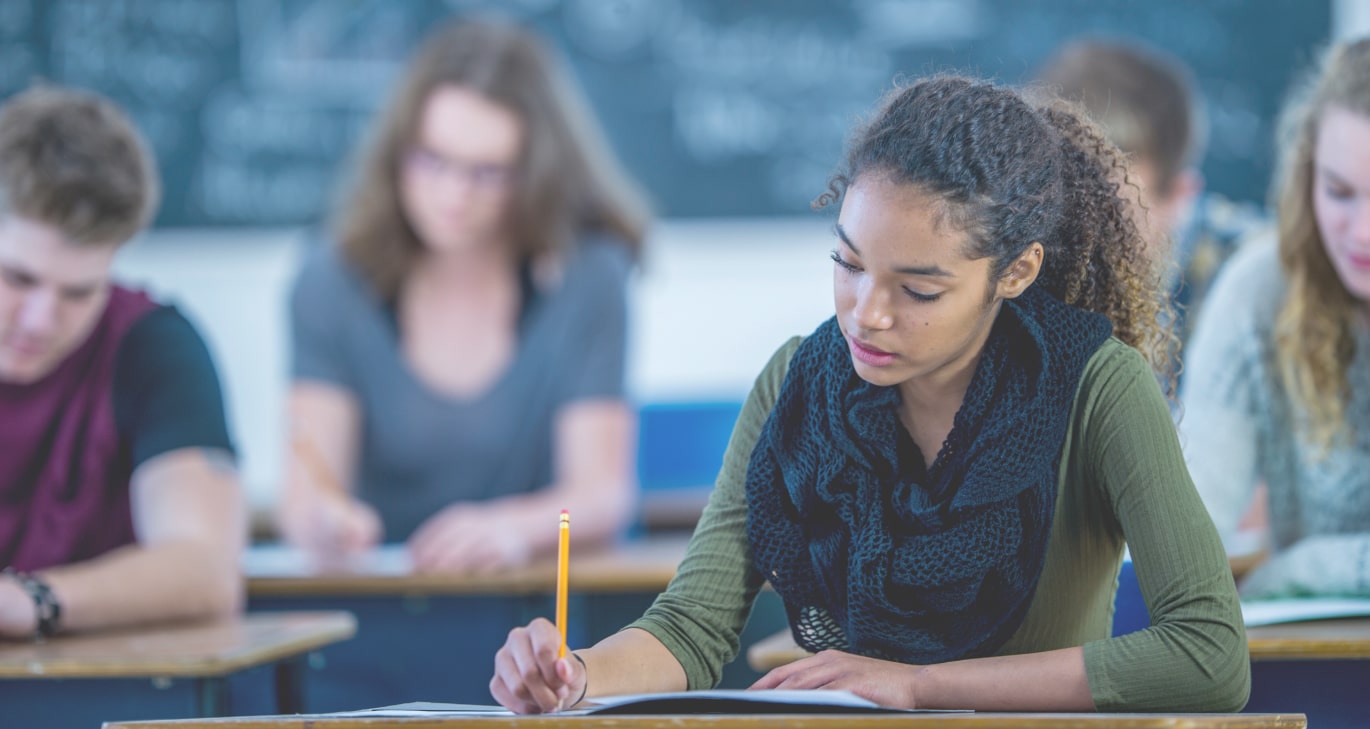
720,107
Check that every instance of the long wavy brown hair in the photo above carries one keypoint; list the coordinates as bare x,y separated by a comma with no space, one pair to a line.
1022,167
1314,335
568,180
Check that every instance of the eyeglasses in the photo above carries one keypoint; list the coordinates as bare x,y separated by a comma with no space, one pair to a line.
481,175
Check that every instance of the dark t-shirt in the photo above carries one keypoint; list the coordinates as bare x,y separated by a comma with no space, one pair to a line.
422,450
166,390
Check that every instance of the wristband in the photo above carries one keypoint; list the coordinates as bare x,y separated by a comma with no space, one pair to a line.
586,687
45,604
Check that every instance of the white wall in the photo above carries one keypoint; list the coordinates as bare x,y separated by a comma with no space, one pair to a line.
1350,18
714,299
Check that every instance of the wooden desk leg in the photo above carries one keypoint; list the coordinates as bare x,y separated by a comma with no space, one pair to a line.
211,697
290,677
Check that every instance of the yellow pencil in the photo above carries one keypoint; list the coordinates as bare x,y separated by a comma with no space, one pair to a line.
563,569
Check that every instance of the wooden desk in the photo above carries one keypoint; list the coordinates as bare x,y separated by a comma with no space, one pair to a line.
718,721
1315,640
206,654
774,652
1319,667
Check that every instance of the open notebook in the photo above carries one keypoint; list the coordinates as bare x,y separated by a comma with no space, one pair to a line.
722,701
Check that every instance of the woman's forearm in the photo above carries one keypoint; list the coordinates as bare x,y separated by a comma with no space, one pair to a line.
1049,681
631,662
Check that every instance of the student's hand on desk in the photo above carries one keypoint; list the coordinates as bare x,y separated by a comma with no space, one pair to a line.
17,616
885,682
529,678
468,538
332,527
1297,571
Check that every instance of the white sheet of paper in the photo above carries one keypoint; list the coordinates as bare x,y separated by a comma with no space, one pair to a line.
426,708
771,696
792,698
1292,610
279,560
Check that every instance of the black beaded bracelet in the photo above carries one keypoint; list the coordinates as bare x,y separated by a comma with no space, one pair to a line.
45,604
586,686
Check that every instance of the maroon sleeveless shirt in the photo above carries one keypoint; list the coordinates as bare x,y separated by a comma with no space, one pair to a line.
64,469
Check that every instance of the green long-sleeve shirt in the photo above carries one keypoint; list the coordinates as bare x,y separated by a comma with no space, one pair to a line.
1122,478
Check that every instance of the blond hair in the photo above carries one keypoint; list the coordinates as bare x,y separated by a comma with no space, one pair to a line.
1314,336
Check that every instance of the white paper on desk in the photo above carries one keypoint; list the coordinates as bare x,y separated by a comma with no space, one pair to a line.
1292,610
279,560
769,697
732,701
426,708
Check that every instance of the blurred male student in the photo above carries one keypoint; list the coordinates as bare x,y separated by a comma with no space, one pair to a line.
119,497
1146,103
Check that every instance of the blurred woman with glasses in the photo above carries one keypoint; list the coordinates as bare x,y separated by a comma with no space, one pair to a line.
457,372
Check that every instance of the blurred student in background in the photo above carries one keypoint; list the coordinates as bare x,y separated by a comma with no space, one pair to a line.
1147,105
458,365
1278,388
119,498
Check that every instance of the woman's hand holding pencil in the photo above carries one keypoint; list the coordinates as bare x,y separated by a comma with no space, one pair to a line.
533,674
530,678
329,523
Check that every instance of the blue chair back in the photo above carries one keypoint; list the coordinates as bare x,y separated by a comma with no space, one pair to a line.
681,444
1129,608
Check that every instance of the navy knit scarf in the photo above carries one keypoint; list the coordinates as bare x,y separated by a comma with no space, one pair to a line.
875,554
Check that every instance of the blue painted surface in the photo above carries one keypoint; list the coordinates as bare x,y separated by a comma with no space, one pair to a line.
681,445
436,648
63,703
1334,694
66,703
1129,608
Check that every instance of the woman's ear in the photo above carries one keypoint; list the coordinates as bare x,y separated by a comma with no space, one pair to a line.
1022,272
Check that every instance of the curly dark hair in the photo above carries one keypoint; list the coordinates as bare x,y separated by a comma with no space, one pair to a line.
1010,171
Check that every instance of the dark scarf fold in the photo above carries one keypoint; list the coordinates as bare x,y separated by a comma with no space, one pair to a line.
877,555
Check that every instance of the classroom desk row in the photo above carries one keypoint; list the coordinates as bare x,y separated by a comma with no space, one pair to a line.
426,637
366,632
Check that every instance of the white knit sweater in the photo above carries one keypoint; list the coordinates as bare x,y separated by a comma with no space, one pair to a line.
1239,429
